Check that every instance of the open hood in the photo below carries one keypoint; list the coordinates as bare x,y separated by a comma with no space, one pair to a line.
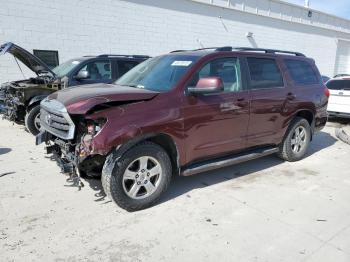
81,99
31,61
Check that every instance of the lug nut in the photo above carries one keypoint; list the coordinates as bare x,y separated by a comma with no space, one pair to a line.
142,170
139,183
148,174
145,182
137,176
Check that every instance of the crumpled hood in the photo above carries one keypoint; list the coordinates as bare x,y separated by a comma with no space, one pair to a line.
80,99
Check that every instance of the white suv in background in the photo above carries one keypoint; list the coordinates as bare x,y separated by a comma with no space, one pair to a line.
339,100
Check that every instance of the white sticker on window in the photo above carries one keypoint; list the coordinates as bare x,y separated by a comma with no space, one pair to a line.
181,63
75,62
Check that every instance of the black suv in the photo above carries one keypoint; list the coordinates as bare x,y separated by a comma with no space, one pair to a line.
20,100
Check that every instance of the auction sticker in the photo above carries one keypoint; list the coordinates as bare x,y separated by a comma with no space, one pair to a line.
181,63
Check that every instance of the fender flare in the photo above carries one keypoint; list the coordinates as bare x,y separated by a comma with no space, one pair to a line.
111,161
34,100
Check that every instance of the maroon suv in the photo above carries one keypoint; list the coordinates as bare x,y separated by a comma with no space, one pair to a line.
184,113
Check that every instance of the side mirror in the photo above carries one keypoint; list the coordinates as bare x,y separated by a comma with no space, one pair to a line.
82,74
207,85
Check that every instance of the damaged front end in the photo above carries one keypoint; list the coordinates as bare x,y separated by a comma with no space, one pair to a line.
12,104
70,141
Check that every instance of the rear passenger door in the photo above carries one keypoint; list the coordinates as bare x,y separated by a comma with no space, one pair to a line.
269,96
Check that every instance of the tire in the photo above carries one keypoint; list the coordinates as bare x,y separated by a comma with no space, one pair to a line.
293,148
153,182
31,119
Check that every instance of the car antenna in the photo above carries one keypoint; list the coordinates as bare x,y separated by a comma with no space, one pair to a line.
24,77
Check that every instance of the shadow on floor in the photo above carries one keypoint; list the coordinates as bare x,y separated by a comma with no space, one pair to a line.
4,150
183,185
339,121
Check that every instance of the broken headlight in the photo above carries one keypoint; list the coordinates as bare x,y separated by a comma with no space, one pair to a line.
94,126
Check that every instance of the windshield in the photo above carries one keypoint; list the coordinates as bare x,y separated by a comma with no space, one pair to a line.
65,68
159,73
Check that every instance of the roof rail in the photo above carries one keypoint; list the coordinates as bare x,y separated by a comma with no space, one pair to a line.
267,51
248,49
199,49
131,56
340,75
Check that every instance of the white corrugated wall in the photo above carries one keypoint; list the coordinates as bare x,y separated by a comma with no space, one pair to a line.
153,27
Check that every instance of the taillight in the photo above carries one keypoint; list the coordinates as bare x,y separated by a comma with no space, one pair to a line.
326,92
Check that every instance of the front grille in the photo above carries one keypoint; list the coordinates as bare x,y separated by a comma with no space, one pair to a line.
55,119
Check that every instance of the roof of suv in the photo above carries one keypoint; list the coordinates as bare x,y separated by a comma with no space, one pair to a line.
118,56
209,50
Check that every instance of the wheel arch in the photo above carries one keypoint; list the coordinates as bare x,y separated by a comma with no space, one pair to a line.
35,101
307,114
163,140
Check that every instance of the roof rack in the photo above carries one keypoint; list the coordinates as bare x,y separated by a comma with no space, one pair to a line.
131,56
267,51
341,75
199,49
248,49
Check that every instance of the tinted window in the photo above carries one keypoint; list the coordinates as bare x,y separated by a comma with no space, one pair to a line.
125,66
228,69
98,70
338,84
301,72
264,73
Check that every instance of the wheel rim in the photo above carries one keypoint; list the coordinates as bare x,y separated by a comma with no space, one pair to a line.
299,139
142,177
37,121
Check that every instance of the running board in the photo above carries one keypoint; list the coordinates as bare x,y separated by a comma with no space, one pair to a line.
228,161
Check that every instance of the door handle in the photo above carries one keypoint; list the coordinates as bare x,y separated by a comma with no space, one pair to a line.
291,96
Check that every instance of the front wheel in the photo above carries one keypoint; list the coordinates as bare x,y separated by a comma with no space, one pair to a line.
32,120
296,141
138,178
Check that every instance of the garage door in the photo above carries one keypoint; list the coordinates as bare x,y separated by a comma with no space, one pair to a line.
342,61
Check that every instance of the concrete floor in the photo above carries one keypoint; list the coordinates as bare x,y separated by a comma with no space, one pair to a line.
263,210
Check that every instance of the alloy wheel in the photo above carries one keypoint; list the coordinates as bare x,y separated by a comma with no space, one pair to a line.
142,177
298,141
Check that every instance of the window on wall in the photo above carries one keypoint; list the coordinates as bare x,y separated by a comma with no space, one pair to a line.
302,72
49,57
264,73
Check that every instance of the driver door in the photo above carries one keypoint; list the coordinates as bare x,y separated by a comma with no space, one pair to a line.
216,124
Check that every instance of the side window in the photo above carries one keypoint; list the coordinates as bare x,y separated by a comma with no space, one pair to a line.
301,72
264,73
98,70
228,69
339,84
125,66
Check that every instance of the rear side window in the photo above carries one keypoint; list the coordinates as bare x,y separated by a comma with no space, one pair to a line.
125,66
302,72
264,73
338,84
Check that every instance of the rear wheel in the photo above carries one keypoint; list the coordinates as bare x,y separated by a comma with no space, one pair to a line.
296,141
32,120
138,178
